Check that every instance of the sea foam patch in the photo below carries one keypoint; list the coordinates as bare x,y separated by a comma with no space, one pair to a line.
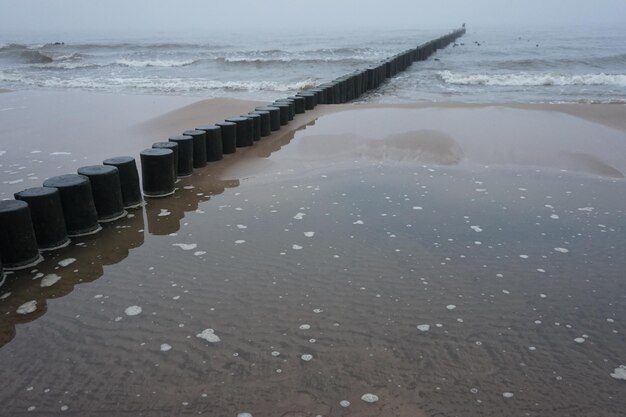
67,261
209,335
49,280
369,398
186,246
132,310
619,373
27,308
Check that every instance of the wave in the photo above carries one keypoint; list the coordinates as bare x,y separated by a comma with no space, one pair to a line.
134,63
163,85
522,79
283,60
607,61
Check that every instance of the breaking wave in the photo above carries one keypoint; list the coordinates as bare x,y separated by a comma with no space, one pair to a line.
154,63
163,85
531,79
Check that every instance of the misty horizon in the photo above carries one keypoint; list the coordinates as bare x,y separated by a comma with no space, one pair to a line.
66,20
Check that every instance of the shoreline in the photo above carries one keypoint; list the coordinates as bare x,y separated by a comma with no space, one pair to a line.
86,127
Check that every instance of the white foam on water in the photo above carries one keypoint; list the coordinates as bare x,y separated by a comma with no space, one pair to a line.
369,398
275,353
344,403
562,250
209,335
49,280
242,226
244,415
199,253
66,262
165,347
423,327
541,270
507,394
579,340
587,209
418,208
186,246
318,310
524,256
132,310
306,357
476,228
358,222
451,307
305,327
27,308
64,408
619,373
238,242
5,295
309,234
296,247
299,216
60,153
164,212
610,320
554,216
532,79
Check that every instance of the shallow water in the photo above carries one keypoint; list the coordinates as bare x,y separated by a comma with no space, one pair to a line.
517,271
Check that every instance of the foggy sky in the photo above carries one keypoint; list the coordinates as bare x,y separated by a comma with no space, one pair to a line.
151,16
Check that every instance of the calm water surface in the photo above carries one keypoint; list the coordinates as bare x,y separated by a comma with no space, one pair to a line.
441,289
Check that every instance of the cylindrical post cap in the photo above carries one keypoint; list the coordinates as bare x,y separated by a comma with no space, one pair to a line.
129,180
214,145
46,212
244,135
185,154
274,116
157,169
229,136
18,245
199,147
79,209
106,190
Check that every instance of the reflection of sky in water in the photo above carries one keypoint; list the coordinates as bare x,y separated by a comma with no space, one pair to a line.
428,288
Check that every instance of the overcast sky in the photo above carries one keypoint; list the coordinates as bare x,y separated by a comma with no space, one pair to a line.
143,17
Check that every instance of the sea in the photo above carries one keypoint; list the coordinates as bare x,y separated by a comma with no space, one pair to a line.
575,64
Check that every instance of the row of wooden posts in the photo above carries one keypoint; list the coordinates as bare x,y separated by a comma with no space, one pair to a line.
45,218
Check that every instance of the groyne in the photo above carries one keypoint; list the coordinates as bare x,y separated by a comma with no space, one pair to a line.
46,218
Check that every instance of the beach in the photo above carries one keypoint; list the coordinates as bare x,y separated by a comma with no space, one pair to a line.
448,258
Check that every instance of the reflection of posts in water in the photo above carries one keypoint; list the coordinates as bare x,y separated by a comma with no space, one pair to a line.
109,247
164,215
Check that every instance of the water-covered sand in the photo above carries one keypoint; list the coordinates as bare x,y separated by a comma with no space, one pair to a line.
412,260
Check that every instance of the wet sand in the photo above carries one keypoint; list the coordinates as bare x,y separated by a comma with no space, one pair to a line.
450,259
